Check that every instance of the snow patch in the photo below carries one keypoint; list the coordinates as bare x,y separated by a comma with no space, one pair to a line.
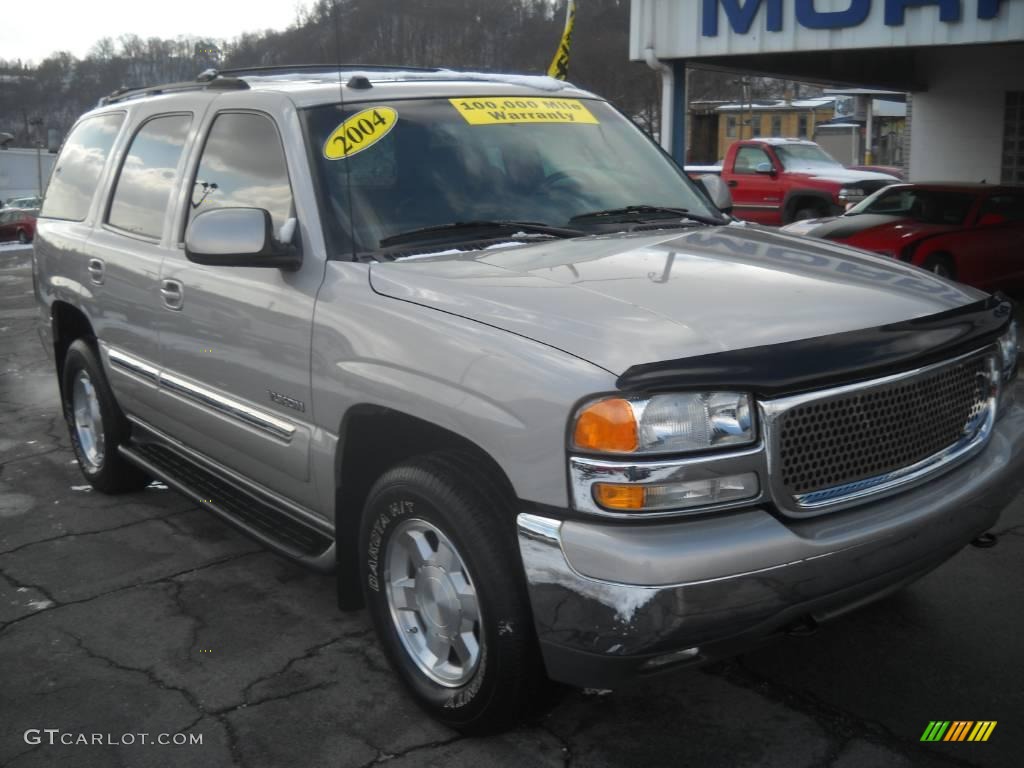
547,565
40,605
85,488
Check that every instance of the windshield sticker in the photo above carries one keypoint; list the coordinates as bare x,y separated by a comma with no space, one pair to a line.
504,111
359,132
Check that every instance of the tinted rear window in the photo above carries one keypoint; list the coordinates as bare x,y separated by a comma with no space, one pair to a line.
78,169
147,176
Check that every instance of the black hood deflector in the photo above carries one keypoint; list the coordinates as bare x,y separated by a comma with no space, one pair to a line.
842,358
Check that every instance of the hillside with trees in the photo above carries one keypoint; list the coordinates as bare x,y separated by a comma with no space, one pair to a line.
483,35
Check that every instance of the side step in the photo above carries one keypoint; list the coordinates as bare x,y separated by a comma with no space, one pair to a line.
256,516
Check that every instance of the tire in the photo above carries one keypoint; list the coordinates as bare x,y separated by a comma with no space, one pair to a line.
804,212
447,511
23,238
942,265
96,424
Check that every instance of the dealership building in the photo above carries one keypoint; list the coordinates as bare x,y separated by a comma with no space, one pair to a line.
961,63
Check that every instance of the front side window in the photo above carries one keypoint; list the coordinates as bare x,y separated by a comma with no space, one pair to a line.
389,168
148,176
748,158
76,173
243,166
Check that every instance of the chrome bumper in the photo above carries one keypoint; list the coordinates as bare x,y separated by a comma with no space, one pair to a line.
614,601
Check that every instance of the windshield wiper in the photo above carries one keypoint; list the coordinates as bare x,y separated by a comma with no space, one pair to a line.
440,231
641,211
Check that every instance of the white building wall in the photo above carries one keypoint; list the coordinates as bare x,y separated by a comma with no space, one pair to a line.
957,126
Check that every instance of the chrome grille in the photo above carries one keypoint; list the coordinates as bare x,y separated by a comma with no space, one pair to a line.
841,444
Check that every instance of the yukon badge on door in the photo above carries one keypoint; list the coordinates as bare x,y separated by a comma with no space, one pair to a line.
287,402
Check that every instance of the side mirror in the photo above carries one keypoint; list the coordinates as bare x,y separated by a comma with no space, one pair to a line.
764,168
717,191
991,219
237,237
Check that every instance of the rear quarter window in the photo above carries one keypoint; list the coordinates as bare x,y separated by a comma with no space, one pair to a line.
76,173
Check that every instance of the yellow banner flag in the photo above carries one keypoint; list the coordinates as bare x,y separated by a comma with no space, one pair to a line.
560,64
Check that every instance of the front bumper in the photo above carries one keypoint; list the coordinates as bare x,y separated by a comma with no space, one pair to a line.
611,602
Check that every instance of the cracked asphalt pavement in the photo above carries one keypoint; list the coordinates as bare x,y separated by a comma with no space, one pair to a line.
145,614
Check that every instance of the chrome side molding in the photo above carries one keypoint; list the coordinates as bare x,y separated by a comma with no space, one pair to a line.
225,405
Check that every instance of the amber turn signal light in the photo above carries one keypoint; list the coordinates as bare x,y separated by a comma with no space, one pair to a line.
607,425
612,496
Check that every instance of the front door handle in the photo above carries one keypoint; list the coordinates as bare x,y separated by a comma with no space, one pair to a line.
173,293
95,268
732,182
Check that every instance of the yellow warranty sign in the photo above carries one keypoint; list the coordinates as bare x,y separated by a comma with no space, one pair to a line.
359,132
506,110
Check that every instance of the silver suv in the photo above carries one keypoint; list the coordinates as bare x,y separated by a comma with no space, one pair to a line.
475,343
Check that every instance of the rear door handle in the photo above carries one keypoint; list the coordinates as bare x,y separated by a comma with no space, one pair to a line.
173,293
95,268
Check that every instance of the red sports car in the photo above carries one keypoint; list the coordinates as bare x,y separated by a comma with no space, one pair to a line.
973,233
17,224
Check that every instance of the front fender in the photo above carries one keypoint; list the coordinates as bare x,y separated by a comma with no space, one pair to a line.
509,395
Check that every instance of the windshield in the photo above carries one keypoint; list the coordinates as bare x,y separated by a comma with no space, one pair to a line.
795,157
925,205
390,168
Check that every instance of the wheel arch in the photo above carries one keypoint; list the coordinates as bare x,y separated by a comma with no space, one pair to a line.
371,440
67,323
794,197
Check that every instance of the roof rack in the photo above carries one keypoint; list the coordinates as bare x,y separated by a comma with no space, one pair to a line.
283,69
214,83
231,79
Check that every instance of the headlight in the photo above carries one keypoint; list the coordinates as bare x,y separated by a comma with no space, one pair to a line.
672,423
851,193
1009,350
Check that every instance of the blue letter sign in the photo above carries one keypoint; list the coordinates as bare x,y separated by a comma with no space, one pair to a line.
949,10
808,16
741,15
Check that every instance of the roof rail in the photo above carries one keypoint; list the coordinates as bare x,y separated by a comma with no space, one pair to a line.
281,69
216,83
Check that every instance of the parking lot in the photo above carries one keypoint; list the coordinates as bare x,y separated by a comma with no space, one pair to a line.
144,614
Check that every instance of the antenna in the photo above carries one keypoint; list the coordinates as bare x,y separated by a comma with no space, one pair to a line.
341,99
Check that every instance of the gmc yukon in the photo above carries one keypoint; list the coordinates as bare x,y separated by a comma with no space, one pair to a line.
474,343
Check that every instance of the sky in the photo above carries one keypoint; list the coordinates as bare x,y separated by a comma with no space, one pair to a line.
33,30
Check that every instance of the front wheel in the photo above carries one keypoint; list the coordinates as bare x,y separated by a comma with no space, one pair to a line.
95,423
941,265
444,588
23,237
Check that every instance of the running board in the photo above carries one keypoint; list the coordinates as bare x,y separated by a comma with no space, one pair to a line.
253,515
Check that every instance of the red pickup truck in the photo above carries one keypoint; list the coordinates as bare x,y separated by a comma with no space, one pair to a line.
776,181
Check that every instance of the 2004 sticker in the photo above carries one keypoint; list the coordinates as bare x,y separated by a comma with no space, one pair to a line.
359,132
497,111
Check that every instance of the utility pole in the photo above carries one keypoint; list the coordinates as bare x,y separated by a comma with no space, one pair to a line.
37,123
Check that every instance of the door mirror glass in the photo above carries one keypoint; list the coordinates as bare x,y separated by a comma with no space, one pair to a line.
717,191
237,237
991,220
764,168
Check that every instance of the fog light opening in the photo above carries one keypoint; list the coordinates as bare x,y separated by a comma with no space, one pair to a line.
804,627
675,657
985,541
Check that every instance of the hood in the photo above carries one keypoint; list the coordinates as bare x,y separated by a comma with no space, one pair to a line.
626,299
840,175
894,231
